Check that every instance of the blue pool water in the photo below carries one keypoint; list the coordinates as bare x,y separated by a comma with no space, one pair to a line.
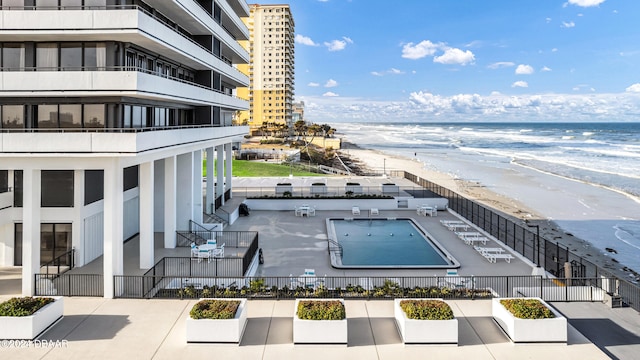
383,243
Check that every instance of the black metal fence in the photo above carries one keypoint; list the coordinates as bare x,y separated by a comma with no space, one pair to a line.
62,263
548,254
69,284
361,287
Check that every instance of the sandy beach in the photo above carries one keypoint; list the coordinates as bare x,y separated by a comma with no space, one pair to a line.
377,160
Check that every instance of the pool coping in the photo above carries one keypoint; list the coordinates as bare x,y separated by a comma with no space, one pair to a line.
336,261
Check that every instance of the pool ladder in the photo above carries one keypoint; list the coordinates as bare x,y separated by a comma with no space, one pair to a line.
334,246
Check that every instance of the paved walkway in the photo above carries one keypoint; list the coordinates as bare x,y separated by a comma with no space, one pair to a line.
97,328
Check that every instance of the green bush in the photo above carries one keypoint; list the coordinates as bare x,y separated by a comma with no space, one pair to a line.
23,306
321,310
215,309
426,309
527,308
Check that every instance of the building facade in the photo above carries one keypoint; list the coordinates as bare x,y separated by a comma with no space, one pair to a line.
271,69
107,109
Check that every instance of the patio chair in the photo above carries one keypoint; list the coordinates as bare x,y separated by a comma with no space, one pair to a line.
374,211
194,250
212,242
204,254
355,210
219,252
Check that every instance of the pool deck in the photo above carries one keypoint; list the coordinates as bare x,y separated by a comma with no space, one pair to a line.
100,328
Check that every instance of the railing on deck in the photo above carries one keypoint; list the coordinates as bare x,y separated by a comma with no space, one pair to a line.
69,284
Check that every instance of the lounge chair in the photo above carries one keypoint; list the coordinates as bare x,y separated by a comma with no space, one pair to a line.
494,257
355,210
374,211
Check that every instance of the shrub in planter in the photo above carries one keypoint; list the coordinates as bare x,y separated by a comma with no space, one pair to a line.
422,321
27,317
529,320
217,320
320,321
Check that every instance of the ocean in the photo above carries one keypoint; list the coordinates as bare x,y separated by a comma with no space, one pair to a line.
583,176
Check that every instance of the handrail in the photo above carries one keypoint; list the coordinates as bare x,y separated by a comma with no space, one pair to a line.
57,260
337,247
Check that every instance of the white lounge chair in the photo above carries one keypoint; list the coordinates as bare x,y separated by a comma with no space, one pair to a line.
374,211
494,257
355,210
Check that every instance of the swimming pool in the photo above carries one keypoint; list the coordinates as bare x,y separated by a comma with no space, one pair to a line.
385,243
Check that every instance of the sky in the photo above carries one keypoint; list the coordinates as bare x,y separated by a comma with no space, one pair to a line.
467,60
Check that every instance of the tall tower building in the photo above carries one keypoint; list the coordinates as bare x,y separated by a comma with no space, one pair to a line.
271,69
106,108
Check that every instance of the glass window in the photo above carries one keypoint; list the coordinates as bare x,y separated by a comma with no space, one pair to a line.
47,56
13,4
93,186
62,242
4,181
46,243
71,56
95,56
136,116
47,3
130,177
47,116
94,116
17,188
95,4
13,116
13,57
57,188
127,116
17,248
70,116
77,4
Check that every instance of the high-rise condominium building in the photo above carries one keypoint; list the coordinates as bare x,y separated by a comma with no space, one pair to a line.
107,107
271,70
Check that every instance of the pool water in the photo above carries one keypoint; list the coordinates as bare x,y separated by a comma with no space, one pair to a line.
387,243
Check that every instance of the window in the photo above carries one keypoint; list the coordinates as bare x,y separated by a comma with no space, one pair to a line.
55,240
71,56
4,181
47,4
57,188
13,57
17,188
93,186
130,179
47,116
94,116
14,4
95,57
12,117
47,56
71,3
70,116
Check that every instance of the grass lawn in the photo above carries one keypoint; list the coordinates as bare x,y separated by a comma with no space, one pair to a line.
243,168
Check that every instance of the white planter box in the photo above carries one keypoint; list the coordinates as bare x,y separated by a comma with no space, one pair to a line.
425,331
530,330
318,331
218,330
30,327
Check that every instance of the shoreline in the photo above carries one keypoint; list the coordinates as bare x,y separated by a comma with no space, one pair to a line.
374,159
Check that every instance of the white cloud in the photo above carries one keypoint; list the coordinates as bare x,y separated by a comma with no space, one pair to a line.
455,56
545,68
313,84
331,83
420,50
330,94
554,50
391,71
501,64
569,24
586,3
522,84
305,40
337,45
635,88
523,69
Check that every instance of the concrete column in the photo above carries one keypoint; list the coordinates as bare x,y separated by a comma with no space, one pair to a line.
197,187
184,190
170,202
146,215
210,192
77,227
220,171
113,227
31,181
228,151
